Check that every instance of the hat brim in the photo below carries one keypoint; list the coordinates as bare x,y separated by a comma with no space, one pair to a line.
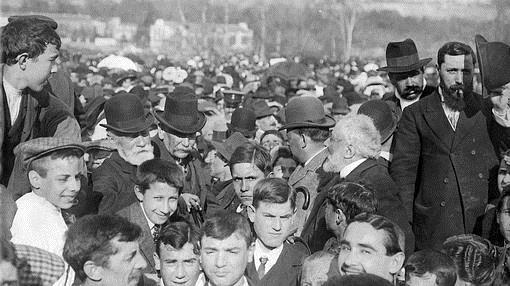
386,133
340,111
142,126
401,69
49,151
481,46
266,113
326,122
168,127
220,148
245,132
119,80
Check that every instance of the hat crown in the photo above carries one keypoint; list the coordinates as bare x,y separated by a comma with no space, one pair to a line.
494,59
381,114
244,119
401,49
304,109
123,107
403,57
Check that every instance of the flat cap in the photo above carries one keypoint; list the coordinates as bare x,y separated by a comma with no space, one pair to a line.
41,147
53,24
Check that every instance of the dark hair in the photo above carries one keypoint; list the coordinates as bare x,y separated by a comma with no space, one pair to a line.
282,152
475,258
89,239
177,234
273,132
317,135
39,165
273,190
8,253
362,279
352,199
29,36
159,171
252,153
395,238
223,224
454,49
432,261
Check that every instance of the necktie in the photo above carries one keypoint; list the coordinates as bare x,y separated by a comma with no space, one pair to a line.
262,268
155,232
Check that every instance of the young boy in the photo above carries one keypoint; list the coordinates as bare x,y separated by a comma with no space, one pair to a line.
158,185
272,213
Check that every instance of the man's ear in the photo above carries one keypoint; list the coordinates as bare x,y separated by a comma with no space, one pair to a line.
93,271
138,193
157,262
350,151
251,213
35,179
21,60
340,217
396,262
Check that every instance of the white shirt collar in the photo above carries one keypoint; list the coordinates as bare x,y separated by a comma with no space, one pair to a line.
404,102
311,158
386,155
200,281
349,168
271,254
13,96
151,224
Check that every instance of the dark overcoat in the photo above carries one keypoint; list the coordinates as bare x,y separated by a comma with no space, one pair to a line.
444,174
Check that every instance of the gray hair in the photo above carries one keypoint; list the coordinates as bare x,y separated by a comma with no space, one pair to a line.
359,131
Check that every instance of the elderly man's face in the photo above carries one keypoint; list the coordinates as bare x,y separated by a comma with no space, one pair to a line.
224,261
409,85
39,69
62,180
456,75
179,266
337,152
136,148
267,123
179,147
125,266
363,250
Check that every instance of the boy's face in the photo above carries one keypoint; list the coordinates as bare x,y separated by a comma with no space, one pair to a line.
179,266
272,222
159,201
245,176
224,261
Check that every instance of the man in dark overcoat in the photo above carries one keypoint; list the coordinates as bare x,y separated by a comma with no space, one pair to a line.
445,147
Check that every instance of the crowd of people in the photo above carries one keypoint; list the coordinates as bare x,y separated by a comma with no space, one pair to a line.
236,173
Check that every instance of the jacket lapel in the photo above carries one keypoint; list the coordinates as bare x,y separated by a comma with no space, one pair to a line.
437,121
312,166
147,247
467,120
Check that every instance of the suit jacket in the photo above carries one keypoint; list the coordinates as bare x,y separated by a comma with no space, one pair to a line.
134,214
375,175
286,270
7,211
397,108
306,176
115,180
444,174
228,199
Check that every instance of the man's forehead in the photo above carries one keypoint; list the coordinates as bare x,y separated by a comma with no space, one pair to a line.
186,251
461,61
362,233
234,240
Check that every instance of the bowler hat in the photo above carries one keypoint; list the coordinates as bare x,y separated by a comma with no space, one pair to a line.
261,109
340,106
227,148
382,116
306,111
243,120
181,113
403,57
125,114
40,147
494,62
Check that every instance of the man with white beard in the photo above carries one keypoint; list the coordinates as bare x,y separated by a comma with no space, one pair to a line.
128,126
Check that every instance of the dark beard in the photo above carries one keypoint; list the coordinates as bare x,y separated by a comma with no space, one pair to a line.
454,96
411,92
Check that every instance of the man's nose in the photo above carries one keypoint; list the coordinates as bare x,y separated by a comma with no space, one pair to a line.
140,261
459,77
220,260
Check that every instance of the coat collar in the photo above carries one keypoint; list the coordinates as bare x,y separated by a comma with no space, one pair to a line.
312,166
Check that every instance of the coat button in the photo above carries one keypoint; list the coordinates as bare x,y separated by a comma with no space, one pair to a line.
473,152
480,175
443,203
445,180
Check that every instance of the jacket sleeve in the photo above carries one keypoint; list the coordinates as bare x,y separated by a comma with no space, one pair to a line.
406,157
104,184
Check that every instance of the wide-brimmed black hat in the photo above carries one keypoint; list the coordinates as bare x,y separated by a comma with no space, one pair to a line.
306,111
403,57
125,114
261,109
383,117
181,113
494,63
